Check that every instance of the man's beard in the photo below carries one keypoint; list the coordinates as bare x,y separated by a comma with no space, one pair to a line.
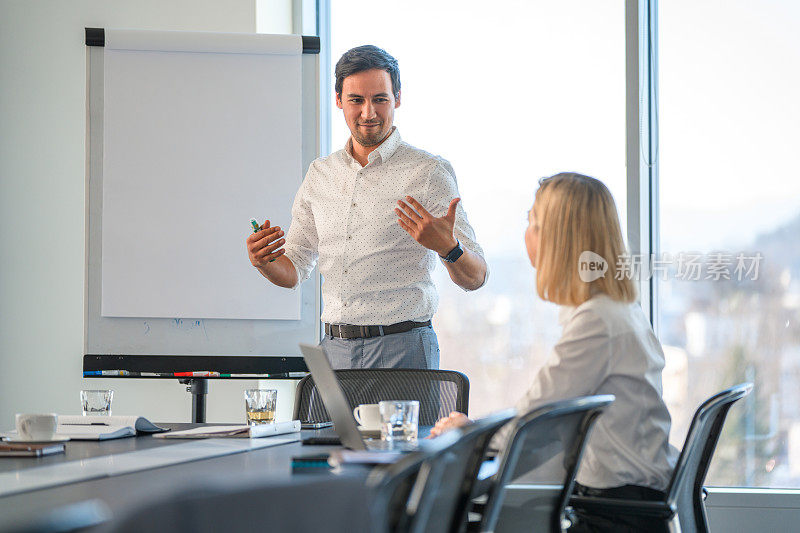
372,139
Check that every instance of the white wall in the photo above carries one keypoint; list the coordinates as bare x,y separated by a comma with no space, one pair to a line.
42,159
274,16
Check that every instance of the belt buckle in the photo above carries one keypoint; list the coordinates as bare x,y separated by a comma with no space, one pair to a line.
339,328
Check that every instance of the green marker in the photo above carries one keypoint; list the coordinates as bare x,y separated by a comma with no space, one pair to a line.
256,229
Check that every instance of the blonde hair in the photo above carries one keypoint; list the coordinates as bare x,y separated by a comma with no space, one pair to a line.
575,214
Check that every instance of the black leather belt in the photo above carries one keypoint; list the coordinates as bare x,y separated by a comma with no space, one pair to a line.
347,331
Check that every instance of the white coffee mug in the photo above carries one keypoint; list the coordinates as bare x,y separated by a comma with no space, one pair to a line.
368,415
37,427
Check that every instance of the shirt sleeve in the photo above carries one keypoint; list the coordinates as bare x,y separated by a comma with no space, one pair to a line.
442,189
577,366
301,239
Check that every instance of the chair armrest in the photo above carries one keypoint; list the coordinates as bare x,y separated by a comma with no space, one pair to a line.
616,505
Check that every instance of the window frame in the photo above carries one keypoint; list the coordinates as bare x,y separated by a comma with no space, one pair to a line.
641,143
731,505
642,181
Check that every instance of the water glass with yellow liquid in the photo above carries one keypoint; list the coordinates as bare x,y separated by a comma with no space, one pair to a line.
260,406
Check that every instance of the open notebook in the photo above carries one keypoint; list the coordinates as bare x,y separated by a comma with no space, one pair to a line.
252,432
96,427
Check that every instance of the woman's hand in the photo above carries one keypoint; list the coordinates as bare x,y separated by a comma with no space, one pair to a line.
455,420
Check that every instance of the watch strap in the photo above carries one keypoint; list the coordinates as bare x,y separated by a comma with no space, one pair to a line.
453,254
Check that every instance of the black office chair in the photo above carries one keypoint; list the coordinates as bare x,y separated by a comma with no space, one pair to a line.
439,392
401,490
552,436
682,509
444,506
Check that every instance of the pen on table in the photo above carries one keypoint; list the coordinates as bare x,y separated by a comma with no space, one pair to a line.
256,229
197,374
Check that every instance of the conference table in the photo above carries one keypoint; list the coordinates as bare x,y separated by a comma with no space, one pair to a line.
125,492
121,494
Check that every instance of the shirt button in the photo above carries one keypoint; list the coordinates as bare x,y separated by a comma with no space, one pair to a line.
344,305
345,271
354,204
349,237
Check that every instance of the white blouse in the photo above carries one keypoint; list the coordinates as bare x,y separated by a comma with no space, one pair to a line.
608,347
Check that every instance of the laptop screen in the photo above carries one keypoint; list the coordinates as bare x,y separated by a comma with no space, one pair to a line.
332,396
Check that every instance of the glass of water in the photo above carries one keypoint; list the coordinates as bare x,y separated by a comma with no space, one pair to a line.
96,402
399,420
260,406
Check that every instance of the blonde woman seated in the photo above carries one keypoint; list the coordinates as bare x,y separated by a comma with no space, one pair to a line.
606,347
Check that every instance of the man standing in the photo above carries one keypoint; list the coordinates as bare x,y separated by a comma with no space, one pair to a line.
375,215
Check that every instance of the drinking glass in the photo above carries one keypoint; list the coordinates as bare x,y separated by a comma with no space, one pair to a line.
399,420
96,402
260,406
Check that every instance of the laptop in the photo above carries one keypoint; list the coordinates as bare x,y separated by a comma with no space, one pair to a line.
336,403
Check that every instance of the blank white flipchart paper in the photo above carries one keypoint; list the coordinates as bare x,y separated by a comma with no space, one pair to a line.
195,144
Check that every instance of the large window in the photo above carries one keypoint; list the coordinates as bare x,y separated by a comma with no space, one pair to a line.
730,201
508,92
514,90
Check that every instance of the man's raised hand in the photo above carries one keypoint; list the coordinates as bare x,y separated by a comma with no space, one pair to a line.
431,232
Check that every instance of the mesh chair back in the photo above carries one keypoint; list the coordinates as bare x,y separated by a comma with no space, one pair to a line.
551,437
398,488
684,494
446,509
439,391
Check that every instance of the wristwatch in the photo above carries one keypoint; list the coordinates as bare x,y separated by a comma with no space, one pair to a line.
453,254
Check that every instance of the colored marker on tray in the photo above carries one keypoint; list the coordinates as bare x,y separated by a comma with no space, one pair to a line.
108,373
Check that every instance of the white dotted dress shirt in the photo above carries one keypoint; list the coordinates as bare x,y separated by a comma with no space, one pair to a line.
343,216
608,347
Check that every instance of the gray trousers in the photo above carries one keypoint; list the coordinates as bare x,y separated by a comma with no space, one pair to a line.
417,348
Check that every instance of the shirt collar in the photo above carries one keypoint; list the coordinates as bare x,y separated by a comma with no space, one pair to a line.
383,152
565,312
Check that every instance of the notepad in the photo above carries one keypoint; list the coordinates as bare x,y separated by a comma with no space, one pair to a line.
252,432
97,427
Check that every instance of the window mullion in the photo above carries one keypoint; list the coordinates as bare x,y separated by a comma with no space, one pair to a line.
641,133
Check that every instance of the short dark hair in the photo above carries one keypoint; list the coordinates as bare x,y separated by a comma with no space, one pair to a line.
367,57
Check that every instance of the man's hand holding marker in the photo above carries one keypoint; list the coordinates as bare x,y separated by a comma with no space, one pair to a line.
264,245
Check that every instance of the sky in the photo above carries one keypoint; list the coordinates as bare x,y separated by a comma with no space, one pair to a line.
506,99
730,120
513,91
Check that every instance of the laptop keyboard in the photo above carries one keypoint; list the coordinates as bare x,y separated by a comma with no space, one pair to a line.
322,441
